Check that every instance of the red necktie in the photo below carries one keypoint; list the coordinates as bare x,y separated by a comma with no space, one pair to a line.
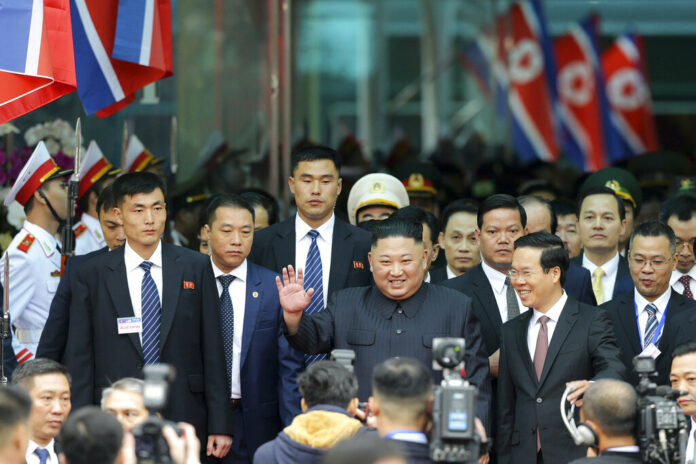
542,347
685,279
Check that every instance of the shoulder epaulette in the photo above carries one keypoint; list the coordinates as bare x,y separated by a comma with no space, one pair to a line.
25,244
79,230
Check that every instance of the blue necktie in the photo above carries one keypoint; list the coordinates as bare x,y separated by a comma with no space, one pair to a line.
42,454
651,325
227,318
150,308
314,278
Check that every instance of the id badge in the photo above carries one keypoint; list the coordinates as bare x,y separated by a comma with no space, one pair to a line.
128,325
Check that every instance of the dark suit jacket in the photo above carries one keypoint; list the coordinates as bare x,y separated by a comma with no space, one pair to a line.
624,282
622,311
269,367
438,275
274,248
55,332
416,453
190,340
685,324
367,322
611,457
525,403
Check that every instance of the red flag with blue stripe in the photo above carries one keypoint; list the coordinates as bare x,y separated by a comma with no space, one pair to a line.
629,97
36,56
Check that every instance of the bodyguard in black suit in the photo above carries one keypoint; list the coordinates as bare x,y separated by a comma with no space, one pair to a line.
559,342
652,258
150,302
397,316
458,240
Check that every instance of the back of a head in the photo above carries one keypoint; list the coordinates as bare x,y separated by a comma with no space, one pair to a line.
365,449
553,253
315,153
396,228
258,197
533,200
136,183
15,406
457,206
91,435
419,216
25,373
327,382
403,388
683,207
612,405
500,201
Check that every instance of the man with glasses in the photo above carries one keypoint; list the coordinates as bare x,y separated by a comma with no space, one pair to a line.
644,321
679,213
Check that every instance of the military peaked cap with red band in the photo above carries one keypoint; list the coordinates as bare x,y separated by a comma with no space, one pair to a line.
94,167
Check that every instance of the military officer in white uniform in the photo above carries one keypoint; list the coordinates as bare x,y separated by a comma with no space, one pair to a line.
34,253
96,174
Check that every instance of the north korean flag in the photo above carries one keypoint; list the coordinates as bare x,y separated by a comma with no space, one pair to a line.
629,97
531,72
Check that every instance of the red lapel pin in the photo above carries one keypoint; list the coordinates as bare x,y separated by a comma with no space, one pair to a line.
358,265
189,285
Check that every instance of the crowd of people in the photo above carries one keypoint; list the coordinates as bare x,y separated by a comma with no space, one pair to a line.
547,293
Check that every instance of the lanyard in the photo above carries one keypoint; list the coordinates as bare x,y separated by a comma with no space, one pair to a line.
658,331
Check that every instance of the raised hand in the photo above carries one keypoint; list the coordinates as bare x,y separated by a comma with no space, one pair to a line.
293,297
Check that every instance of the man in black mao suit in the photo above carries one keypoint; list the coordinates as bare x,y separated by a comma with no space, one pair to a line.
55,333
397,316
167,295
651,258
558,342
316,184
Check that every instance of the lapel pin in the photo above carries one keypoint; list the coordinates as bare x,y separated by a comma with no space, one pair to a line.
255,294
189,285
358,265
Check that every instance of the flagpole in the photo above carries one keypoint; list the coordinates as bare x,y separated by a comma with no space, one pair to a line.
287,98
273,181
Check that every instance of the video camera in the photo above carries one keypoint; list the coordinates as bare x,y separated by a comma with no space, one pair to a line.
150,445
454,438
662,428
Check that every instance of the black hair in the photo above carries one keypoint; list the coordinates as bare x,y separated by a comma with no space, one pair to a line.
91,435
107,200
462,205
228,200
613,406
401,378
363,448
315,153
419,215
394,227
24,373
203,212
564,207
258,197
620,205
654,229
15,406
135,183
500,201
327,382
684,349
553,253
681,206
533,199
97,188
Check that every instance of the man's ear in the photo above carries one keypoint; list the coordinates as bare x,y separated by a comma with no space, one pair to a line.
206,229
303,405
291,184
352,406
117,212
431,401
477,234
441,240
369,260
436,251
340,186
38,198
374,406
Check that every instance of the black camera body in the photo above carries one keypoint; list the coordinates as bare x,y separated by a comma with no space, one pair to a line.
454,437
662,428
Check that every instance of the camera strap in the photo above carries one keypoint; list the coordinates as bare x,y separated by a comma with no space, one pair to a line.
658,332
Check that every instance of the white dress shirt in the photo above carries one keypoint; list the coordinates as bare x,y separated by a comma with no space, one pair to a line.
237,291
690,443
32,458
497,281
324,240
678,286
553,314
610,268
661,304
450,273
135,274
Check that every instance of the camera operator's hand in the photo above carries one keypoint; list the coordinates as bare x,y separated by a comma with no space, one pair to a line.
481,430
580,387
218,445
293,297
184,449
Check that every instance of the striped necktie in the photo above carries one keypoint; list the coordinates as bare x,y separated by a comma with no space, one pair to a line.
150,308
651,325
314,278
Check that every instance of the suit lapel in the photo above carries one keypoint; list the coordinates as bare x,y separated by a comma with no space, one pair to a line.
566,321
284,246
117,286
172,282
675,305
340,256
623,283
254,295
627,316
522,347
484,292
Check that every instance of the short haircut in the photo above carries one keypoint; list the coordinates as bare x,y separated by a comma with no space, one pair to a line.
135,183
620,205
313,154
681,206
420,216
534,200
327,382
258,197
612,405
130,384
553,253
457,206
684,349
403,387
564,207
228,200
394,227
15,406
97,188
24,373
500,201
363,448
91,435
107,200
654,229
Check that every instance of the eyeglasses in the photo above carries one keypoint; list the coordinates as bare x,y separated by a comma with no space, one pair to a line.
656,263
515,275
688,243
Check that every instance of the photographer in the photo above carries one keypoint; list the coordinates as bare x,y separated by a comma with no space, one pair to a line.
124,400
610,411
15,407
683,377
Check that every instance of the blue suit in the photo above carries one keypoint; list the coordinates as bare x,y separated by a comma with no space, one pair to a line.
624,282
268,368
